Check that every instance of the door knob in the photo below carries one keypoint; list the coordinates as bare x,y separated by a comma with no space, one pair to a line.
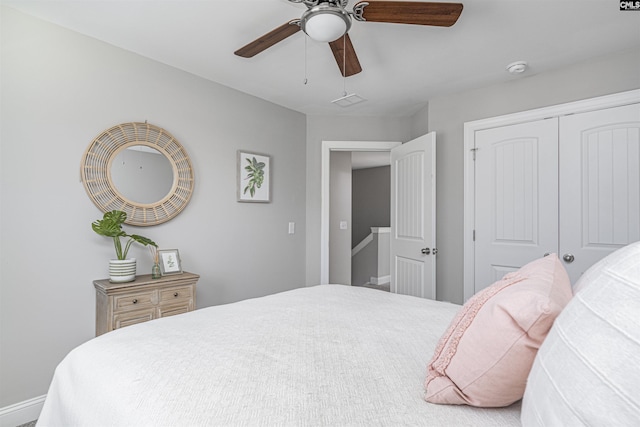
426,251
568,258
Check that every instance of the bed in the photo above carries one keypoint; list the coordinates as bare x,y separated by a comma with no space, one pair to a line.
327,355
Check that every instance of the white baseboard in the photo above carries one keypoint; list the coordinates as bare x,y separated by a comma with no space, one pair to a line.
382,280
21,412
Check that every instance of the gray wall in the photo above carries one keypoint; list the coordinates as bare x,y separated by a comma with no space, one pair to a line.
371,201
420,122
59,91
447,115
340,210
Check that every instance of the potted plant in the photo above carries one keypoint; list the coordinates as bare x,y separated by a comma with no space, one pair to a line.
121,269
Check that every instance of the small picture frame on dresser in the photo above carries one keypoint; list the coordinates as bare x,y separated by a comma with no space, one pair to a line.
169,261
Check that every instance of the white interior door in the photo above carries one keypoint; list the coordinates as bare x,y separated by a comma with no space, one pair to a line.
413,204
516,210
597,166
569,185
599,185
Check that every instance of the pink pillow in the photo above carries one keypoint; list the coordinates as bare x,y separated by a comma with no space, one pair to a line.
485,356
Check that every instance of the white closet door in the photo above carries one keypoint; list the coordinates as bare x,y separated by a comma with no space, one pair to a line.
516,210
413,216
599,184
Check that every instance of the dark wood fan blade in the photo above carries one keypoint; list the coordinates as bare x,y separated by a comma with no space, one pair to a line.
405,12
349,63
269,39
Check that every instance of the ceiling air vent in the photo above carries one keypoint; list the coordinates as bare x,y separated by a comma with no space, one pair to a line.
348,100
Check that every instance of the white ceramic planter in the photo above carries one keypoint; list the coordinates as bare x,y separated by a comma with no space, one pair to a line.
122,270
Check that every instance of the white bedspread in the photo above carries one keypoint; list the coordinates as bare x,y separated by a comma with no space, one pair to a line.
327,355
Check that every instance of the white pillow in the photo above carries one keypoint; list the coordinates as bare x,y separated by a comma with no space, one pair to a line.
587,371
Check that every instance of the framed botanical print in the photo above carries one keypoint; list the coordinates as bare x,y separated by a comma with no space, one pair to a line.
254,177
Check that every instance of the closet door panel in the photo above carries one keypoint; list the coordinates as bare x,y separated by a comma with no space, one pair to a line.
599,185
516,208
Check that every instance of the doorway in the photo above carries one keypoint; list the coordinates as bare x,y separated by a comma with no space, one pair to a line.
325,216
412,239
370,219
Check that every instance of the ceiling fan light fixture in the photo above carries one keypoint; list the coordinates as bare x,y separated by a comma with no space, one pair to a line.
325,22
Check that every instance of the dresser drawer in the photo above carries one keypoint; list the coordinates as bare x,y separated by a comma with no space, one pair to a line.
179,293
133,300
120,320
172,310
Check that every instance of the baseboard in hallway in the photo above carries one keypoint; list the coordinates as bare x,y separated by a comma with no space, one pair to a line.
384,287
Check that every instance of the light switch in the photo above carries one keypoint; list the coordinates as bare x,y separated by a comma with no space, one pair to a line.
292,228
343,225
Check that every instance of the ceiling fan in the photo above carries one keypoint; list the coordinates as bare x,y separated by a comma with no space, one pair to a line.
328,21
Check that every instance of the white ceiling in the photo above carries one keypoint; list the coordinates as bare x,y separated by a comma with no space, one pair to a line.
403,65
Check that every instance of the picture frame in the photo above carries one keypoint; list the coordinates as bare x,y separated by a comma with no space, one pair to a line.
170,262
254,177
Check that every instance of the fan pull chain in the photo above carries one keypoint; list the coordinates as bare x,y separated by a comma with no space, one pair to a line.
305,60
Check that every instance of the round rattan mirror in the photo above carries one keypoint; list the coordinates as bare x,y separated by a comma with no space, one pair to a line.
97,173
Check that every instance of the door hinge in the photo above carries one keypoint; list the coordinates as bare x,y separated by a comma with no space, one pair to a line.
474,235
473,150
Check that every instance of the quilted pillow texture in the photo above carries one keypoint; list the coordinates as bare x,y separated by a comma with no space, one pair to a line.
588,370
485,356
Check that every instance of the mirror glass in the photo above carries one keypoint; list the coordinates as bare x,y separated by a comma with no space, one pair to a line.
142,174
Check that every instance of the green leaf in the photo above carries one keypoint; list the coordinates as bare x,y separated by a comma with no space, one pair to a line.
143,240
111,226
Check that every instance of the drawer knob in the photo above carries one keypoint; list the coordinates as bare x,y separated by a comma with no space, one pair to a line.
135,301
175,294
